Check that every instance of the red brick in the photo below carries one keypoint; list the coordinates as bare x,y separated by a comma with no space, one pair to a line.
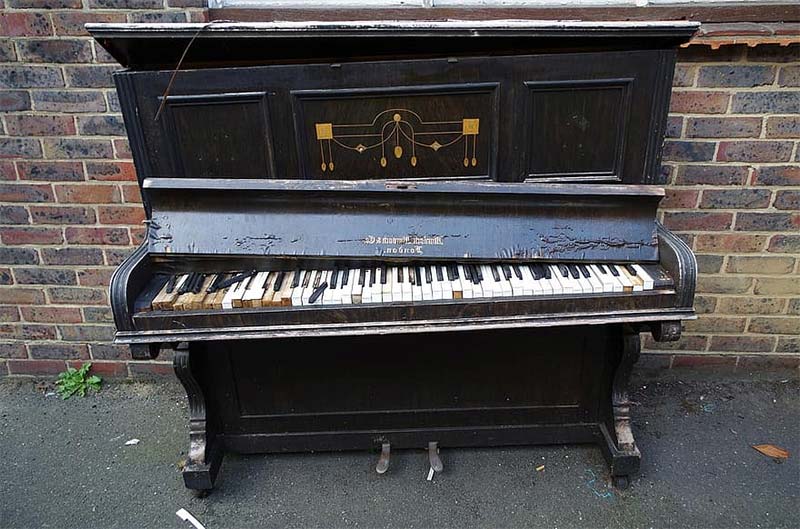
137,235
735,75
27,331
25,24
18,255
51,171
91,235
20,147
9,314
784,244
44,4
54,50
684,75
787,200
36,367
744,344
130,193
52,314
71,22
755,151
14,215
5,276
730,242
689,151
704,360
14,100
748,198
76,148
7,170
115,257
39,125
41,275
779,175
13,350
680,198
104,369
69,101
111,171
97,315
25,235
783,127
699,102
767,221
72,256
728,127
107,351
120,214
95,277
77,295
26,193
696,220
87,193
711,175
59,351
122,149
150,369
62,215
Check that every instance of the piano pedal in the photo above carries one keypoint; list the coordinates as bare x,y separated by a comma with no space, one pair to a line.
383,461
433,456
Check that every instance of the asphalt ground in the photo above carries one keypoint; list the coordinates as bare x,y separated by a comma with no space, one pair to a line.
65,464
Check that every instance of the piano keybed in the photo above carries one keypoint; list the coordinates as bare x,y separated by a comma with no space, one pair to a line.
413,283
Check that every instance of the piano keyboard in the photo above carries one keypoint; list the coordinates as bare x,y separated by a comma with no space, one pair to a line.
388,284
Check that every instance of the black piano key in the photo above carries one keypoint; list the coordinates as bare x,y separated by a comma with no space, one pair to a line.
187,285
584,271
455,272
439,276
495,273
383,275
548,274
564,270
478,272
345,276
601,268
214,286
517,271
614,271
428,275
400,275
171,284
279,281
468,273
198,283
317,291
418,275
306,278
334,277
538,271
631,270
235,279
373,277
362,276
296,278
573,271
506,271
449,271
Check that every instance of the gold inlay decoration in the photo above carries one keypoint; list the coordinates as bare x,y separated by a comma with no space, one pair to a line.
400,130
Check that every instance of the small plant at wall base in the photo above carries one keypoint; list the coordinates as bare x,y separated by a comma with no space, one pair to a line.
78,381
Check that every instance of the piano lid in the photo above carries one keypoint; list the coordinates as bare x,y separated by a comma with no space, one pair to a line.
149,46
403,221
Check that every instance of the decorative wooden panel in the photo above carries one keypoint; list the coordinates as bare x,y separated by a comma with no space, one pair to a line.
443,131
577,129
219,135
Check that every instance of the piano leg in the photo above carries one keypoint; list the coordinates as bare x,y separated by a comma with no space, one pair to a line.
205,452
620,448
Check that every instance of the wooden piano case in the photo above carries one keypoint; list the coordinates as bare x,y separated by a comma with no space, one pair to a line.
390,142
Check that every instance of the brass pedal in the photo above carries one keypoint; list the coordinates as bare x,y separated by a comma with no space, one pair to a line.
383,461
433,456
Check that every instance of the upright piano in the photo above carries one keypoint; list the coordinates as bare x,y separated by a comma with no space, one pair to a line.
387,235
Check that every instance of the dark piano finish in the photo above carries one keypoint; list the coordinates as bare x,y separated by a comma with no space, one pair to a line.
318,145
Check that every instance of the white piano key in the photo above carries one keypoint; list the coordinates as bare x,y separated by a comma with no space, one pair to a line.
255,290
367,290
466,283
314,282
436,285
530,286
560,284
627,284
605,279
517,285
405,286
346,290
356,294
584,286
548,286
457,286
416,287
447,287
427,288
645,277
638,284
505,284
489,285
234,294
297,292
597,285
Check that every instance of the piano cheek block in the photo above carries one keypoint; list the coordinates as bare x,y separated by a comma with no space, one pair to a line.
398,265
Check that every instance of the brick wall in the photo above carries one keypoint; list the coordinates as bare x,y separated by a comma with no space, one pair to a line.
69,209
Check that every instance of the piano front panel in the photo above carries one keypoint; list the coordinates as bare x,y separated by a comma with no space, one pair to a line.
551,116
380,384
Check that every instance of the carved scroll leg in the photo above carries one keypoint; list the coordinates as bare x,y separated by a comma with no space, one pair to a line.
205,454
620,447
